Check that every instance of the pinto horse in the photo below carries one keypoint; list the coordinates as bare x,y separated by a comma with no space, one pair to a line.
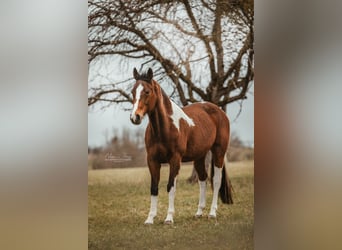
174,135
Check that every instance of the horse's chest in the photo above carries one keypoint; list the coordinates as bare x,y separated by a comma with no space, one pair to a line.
161,151
162,148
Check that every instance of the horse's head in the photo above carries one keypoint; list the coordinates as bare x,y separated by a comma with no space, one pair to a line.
144,95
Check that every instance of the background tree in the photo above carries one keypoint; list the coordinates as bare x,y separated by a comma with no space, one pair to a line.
201,50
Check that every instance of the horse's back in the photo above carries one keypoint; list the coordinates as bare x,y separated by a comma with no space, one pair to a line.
203,110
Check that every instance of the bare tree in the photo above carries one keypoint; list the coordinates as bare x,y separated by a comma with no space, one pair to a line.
203,49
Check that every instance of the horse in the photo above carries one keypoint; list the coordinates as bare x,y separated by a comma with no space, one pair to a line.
174,135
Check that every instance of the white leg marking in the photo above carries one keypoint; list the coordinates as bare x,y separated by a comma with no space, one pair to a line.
140,88
217,184
171,209
201,203
153,210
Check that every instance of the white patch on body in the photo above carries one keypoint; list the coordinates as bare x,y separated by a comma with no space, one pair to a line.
177,114
138,91
171,209
217,183
153,209
201,203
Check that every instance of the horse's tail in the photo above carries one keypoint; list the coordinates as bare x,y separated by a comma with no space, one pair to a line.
226,188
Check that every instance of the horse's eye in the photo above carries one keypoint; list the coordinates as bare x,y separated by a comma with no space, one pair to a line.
147,92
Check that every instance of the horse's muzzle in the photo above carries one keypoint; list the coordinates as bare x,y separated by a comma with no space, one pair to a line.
136,119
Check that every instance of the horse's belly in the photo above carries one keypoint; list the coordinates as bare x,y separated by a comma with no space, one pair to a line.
195,153
198,145
187,159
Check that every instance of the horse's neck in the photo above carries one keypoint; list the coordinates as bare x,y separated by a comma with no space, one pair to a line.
160,117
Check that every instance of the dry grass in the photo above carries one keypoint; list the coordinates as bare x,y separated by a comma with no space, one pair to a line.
119,199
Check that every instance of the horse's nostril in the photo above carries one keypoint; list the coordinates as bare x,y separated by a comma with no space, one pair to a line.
137,117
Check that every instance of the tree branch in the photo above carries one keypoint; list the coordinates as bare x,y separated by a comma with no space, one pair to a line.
140,30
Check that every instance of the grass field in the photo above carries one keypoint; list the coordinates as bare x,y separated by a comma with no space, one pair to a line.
119,200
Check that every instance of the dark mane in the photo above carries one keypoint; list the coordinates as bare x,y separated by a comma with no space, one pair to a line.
167,104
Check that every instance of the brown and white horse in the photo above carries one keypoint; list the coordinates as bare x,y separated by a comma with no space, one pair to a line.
174,135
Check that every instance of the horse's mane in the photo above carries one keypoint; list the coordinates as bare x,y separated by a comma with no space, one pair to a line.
164,95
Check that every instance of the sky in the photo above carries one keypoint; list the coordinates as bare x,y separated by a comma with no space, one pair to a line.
114,117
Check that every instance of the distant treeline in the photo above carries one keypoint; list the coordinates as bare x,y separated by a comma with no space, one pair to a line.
128,150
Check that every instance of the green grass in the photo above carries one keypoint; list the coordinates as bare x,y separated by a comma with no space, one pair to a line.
119,200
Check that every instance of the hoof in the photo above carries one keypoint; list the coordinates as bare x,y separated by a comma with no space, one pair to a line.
148,222
168,222
198,216
211,216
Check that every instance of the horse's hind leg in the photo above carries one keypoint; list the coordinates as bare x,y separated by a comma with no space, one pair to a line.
202,176
218,159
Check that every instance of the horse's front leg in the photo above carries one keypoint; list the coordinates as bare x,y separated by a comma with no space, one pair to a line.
171,187
154,168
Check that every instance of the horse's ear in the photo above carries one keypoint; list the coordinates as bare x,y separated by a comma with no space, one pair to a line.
149,74
135,74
